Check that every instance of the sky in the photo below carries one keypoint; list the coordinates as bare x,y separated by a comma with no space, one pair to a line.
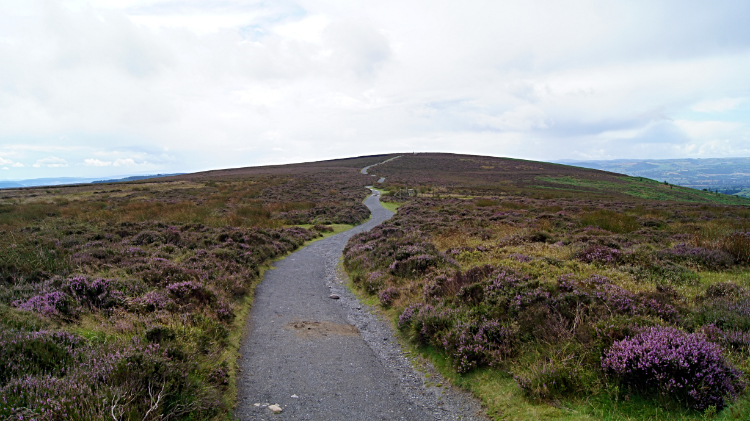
101,88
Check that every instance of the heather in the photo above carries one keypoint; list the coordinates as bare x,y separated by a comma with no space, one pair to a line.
532,299
127,301
667,361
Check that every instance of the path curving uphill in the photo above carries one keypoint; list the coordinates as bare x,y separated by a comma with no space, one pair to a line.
321,358
364,170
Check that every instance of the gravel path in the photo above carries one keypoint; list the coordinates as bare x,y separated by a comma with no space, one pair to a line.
320,358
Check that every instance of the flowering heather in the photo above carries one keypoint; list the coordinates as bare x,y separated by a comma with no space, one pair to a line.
473,344
407,316
99,292
191,275
710,259
673,363
599,254
154,300
388,295
190,291
50,304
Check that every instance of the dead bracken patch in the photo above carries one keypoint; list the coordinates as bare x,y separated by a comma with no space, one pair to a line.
309,330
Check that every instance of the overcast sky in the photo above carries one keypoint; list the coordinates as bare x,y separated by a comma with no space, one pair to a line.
97,88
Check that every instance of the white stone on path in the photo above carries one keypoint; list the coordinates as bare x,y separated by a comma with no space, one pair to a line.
275,408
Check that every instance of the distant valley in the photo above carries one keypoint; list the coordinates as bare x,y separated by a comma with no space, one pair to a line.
725,175
60,181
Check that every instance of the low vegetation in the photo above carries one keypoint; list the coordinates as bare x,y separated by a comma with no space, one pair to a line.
548,291
127,301
590,307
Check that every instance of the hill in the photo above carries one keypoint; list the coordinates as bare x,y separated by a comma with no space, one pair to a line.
516,278
464,174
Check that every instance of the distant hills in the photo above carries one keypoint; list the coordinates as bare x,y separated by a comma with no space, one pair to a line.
725,175
59,181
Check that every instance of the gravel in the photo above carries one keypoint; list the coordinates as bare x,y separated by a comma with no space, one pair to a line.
334,359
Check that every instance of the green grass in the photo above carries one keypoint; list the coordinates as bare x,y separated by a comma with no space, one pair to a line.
391,206
337,229
503,399
645,188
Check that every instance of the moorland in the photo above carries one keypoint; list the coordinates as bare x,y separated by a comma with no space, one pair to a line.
127,301
556,293
546,290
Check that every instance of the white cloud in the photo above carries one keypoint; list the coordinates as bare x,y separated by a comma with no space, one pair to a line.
706,130
124,162
6,168
17,165
235,83
91,162
51,162
4,161
717,106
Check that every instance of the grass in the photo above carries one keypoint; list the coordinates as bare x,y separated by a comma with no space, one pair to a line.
645,188
391,206
182,259
337,229
542,239
503,400
532,218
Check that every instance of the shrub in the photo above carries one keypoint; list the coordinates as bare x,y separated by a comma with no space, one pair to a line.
158,334
147,237
710,259
725,312
599,254
684,366
413,265
426,322
725,289
611,221
738,245
477,343
666,273
153,301
31,353
185,292
373,283
50,304
322,228
386,297
540,237
98,293
551,378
